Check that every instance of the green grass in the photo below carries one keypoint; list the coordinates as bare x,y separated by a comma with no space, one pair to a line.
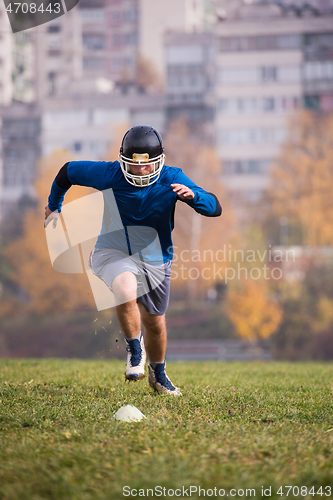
238,425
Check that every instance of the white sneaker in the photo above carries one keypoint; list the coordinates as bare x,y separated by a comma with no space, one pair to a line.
136,359
160,382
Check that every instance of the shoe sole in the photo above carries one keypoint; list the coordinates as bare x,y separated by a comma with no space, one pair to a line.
171,393
134,378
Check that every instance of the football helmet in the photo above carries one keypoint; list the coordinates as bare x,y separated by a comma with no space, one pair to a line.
141,145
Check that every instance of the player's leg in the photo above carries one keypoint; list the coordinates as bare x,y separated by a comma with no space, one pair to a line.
155,335
156,342
124,286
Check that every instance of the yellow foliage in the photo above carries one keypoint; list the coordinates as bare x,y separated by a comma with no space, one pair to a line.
324,316
201,237
252,313
118,133
147,75
47,290
302,179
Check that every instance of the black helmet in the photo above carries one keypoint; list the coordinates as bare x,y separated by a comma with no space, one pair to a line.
141,144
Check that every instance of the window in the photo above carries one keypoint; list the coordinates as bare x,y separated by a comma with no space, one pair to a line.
254,105
289,42
320,70
92,15
311,102
318,46
252,166
52,76
54,53
117,40
288,73
131,15
238,75
193,81
116,17
117,63
54,28
266,42
185,54
268,73
259,43
93,63
94,42
268,104
131,38
248,75
252,136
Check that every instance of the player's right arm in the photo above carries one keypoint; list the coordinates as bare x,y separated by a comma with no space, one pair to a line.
82,173
60,186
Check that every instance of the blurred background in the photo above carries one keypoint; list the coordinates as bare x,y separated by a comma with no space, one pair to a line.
242,92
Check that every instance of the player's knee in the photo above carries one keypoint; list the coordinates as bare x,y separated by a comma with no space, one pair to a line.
155,324
124,287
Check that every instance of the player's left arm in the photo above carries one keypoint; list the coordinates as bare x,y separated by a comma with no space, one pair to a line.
200,200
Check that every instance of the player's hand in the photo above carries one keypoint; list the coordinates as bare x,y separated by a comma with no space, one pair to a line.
184,192
51,216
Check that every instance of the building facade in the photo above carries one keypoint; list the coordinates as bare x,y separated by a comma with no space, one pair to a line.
58,55
21,149
272,60
6,59
87,128
117,32
190,80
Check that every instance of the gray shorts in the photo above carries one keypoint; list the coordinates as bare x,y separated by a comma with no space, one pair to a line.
153,289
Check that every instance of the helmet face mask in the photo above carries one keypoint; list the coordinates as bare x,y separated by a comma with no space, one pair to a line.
141,145
145,179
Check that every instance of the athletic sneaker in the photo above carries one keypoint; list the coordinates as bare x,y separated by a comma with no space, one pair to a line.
160,382
136,359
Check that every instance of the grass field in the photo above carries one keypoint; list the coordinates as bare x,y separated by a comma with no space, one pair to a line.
238,426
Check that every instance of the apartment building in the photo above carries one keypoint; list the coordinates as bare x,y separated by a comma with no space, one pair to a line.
6,84
190,81
58,54
116,32
6,61
20,133
87,128
272,59
94,29
157,18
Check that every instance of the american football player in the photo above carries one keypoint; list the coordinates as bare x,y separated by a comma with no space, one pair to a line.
135,260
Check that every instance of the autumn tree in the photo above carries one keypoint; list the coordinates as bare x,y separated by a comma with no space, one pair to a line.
302,179
146,75
197,237
45,290
253,313
118,133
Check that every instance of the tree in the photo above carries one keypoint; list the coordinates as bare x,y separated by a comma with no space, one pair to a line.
254,315
44,290
197,238
118,134
147,76
302,179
